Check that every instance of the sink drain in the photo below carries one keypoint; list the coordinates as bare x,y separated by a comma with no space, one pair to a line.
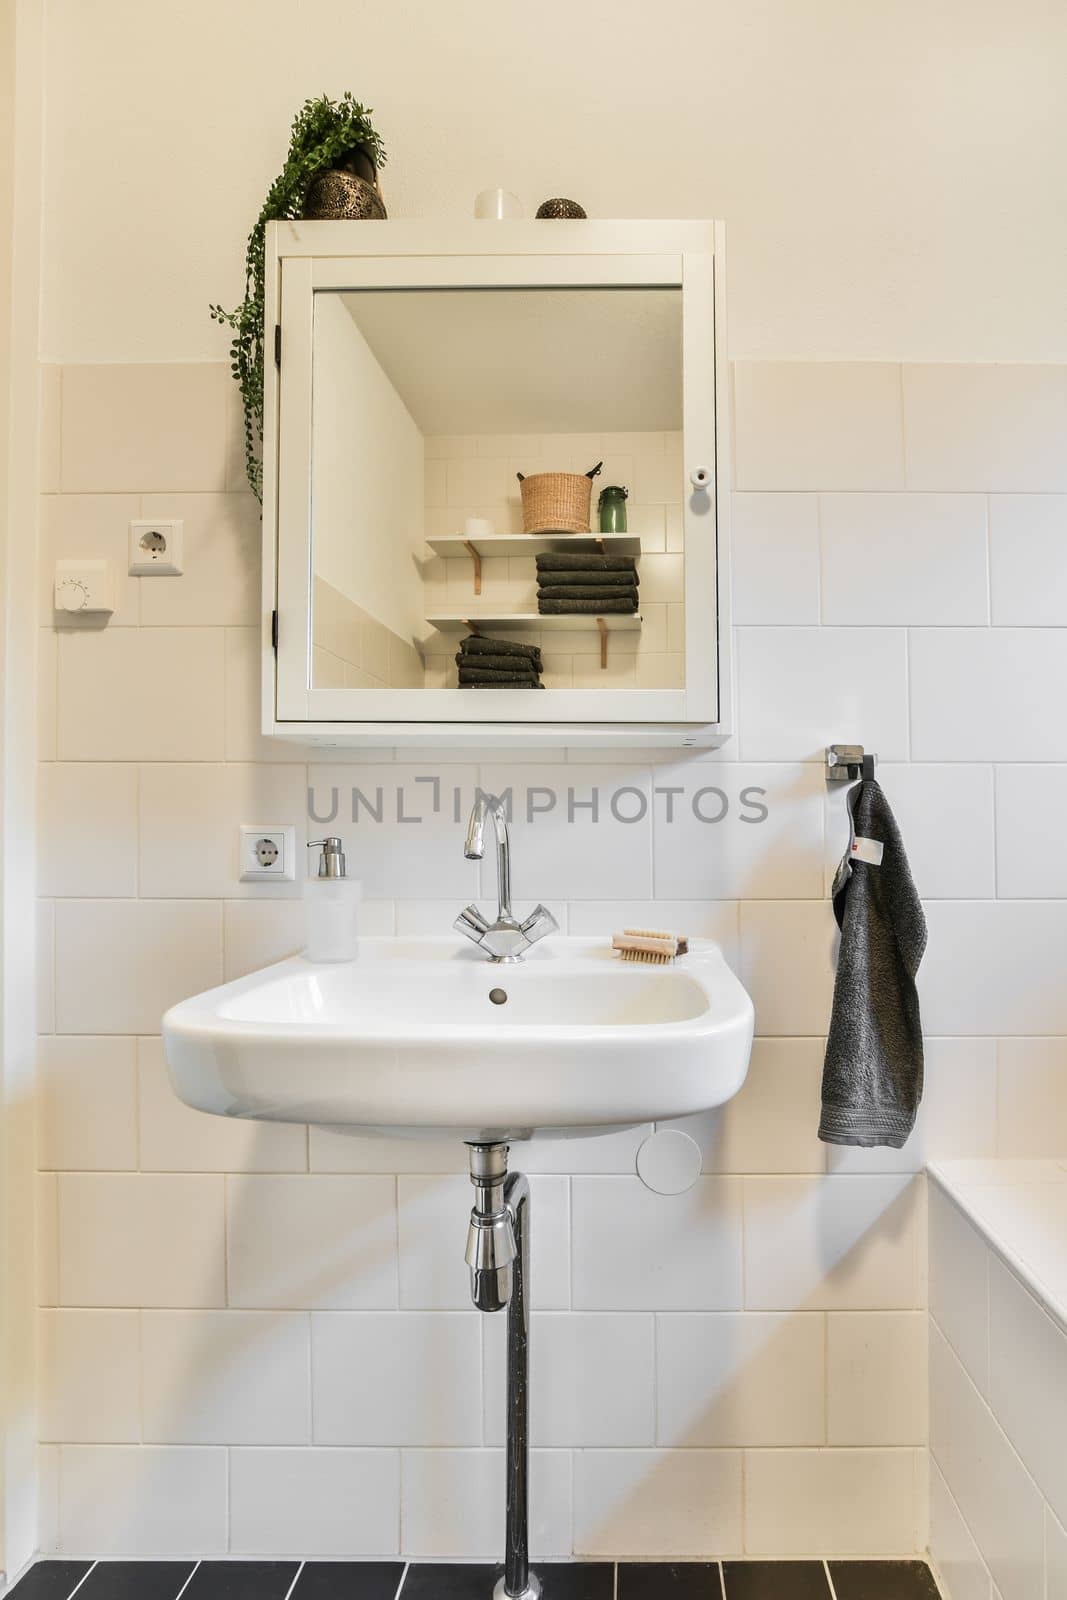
498,996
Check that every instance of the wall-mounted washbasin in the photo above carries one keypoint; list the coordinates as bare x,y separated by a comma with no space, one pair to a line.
424,1037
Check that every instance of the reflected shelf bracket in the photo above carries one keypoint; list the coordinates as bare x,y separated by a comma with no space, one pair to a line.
475,556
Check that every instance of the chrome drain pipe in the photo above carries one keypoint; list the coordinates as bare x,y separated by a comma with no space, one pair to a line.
491,1249
498,1255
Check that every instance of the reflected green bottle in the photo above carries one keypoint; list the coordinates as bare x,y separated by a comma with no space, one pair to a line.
612,508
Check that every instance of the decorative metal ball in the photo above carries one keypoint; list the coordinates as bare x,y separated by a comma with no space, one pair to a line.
569,209
335,195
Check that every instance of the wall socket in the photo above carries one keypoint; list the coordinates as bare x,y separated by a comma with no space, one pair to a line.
156,548
268,851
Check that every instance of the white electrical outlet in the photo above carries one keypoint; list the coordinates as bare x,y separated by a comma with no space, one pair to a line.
156,548
268,851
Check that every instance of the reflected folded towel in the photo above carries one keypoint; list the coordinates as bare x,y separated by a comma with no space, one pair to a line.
477,644
492,675
586,608
873,1072
527,683
510,664
586,591
606,580
586,563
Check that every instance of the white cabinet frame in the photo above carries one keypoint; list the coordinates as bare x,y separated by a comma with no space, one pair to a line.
306,257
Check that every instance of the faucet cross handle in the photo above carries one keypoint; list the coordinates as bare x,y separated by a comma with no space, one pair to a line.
506,939
538,924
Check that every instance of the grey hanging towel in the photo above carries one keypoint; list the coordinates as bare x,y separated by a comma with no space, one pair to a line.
873,1074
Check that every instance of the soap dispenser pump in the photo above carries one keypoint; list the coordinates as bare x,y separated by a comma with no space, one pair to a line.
331,899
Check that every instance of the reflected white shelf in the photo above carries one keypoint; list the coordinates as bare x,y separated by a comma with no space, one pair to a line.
617,622
538,544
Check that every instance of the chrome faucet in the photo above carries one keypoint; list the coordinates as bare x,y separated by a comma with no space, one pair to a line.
506,939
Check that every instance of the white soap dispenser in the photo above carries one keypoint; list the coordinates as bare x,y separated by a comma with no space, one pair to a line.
331,901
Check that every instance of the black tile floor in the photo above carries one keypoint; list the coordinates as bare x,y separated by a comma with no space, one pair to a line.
392,1580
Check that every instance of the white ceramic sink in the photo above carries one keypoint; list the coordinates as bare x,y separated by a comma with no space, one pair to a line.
413,1039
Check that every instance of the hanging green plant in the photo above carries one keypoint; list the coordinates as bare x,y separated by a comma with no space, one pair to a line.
324,131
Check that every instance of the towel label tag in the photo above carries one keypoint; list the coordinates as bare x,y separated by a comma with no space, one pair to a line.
869,850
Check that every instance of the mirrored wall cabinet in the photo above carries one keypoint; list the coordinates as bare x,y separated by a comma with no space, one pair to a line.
496,484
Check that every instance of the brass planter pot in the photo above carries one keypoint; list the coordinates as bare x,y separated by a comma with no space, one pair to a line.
347,192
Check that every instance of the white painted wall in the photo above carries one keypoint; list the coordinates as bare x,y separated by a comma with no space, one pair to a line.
889,173
367,477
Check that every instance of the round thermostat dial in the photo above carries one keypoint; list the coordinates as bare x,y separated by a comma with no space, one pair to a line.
73,594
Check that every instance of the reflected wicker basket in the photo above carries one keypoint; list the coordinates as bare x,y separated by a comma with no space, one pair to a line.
556,502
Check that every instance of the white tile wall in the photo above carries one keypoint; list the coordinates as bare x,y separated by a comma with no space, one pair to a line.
130,1239
987,695
1031,1105
87,844
985,427
451,1504
226,1377
835,1243
1030,862
796,684
121,963
142,1500
148,693
904,558
959,1286
996,1450
597,1379
775,558
143,428
91,1365
411,1378
1055,1558
189,845
87,1103
657,1502
739,832
876,1378
318,1502
801,1502
318,1241
963,1573
257,1316
1028,1381
818,425
633,1250
741,1378
1026,571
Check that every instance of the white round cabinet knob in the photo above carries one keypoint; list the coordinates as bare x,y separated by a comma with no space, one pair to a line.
700,477
669,1161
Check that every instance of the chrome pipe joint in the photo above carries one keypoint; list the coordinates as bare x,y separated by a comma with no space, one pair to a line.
491,1246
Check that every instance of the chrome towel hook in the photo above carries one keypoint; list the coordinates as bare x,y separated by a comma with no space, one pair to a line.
846,763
